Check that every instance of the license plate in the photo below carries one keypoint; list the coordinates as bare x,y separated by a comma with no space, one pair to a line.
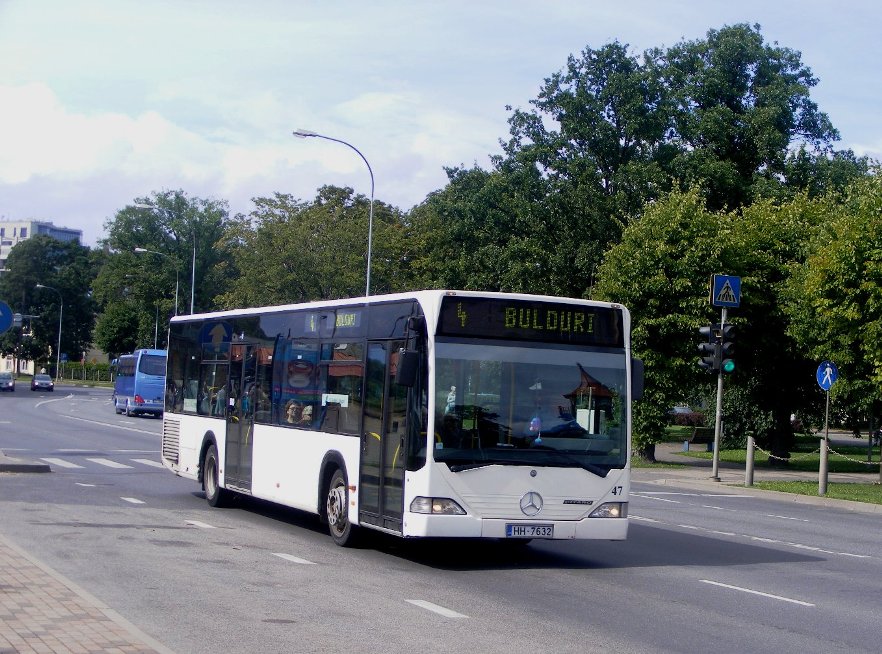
529,531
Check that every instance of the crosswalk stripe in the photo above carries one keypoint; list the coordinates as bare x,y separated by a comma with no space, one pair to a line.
109,463
293,559
61,463
149,462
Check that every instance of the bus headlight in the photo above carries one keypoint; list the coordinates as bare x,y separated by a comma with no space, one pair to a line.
611,510
436,505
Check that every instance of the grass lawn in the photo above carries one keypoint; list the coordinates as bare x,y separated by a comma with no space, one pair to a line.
871,493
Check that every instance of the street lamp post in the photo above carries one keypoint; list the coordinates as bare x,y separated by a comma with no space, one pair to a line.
303,134
177,271
60,313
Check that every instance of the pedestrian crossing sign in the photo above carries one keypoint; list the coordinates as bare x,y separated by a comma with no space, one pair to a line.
725,291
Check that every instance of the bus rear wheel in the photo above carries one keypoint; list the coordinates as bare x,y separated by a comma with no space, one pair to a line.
342,531
215,495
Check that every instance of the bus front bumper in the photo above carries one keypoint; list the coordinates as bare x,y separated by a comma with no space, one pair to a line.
451,526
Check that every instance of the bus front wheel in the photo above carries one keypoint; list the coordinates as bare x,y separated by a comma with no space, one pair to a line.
215,495
337,511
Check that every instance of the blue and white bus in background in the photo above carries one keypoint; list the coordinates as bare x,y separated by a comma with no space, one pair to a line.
140,383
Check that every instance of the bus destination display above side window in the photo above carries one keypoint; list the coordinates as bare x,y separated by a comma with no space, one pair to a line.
551,322
329,323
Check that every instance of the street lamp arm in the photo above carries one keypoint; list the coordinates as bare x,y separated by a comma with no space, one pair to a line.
305,133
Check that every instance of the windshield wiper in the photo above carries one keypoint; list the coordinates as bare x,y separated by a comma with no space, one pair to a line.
600,471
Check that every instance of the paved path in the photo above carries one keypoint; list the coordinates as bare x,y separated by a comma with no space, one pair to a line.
41,611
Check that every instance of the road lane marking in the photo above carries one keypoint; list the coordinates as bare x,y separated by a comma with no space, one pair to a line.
651,493
759,539
756,592
113,425
55,399
149,462
61,463
440,610
110,464
785,517
85,485
657,499
293,559
631,516
200,525
132,500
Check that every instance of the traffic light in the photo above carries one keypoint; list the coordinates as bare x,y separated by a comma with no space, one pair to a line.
709,348
727,347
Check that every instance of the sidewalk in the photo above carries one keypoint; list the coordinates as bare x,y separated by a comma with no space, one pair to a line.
696,473
42,611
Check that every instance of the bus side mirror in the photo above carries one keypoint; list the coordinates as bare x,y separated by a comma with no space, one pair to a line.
636,379
408,364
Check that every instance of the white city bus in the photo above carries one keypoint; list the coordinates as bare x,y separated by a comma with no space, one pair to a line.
435,413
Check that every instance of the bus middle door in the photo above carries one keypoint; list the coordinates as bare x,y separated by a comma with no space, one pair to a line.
384,443
240,416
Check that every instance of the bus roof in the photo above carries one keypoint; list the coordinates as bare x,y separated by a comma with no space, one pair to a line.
428,298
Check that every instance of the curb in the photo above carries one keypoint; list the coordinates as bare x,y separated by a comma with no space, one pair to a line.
8,464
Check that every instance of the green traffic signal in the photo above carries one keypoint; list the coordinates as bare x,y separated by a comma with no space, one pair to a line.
728,366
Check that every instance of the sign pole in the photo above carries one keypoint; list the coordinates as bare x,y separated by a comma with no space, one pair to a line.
718,421
827,374
822,471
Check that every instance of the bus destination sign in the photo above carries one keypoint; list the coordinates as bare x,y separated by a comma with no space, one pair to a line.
527,320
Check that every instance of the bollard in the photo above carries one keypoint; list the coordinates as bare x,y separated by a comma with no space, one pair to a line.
748,461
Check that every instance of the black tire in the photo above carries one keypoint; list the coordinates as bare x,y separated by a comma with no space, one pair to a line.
216,496
344,533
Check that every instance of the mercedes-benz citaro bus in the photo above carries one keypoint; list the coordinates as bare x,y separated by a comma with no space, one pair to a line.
139,387
428,414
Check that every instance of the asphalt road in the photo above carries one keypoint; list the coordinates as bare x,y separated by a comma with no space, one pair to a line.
701,570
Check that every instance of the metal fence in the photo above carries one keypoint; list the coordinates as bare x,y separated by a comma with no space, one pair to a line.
89,372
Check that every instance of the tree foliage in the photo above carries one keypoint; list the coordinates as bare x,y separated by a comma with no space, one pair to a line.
183,236
834,298
68,269
292,251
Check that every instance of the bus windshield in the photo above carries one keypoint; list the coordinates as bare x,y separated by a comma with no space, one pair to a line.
527,405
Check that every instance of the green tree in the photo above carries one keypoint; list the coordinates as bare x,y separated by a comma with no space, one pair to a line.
186,250
289,251
116,331
834,297
660,271
68,268
739,104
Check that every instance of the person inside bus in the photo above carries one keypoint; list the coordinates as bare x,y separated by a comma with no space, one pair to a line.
293,412
220,402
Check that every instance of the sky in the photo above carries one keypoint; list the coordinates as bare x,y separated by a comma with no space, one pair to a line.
103,102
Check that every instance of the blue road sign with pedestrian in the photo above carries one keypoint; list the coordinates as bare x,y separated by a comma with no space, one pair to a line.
726,291
5,317
827,375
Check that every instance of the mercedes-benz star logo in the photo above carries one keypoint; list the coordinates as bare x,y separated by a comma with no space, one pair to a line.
531,503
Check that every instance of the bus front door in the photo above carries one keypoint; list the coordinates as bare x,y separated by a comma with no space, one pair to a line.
240,416
383,440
